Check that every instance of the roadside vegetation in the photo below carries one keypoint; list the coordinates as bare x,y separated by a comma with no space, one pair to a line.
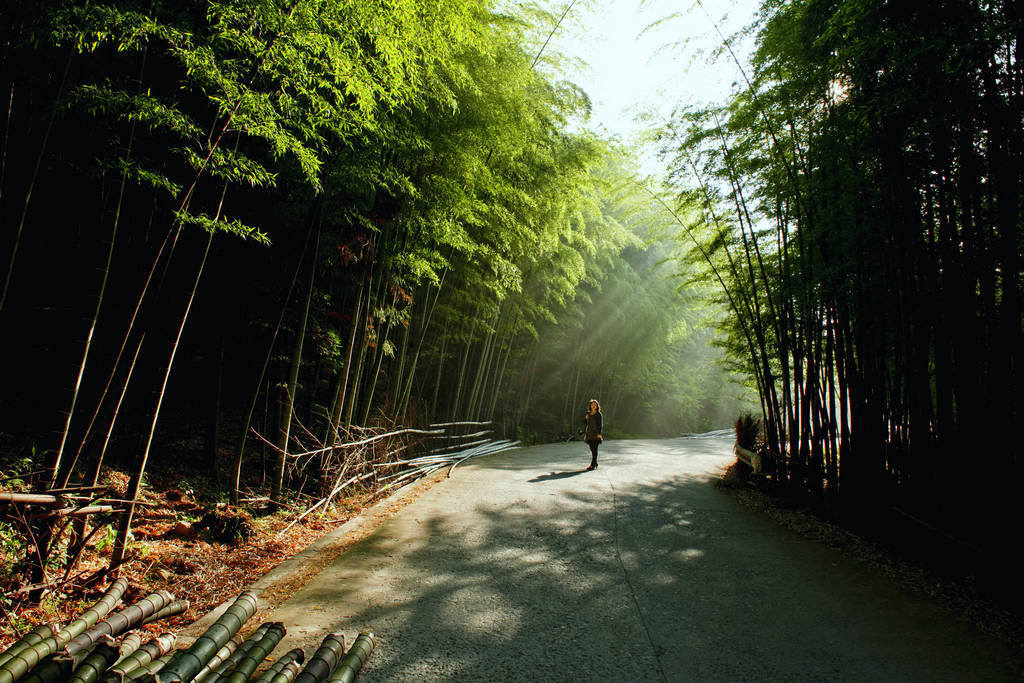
861,214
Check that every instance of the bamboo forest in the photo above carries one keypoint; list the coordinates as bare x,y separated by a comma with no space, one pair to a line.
276,245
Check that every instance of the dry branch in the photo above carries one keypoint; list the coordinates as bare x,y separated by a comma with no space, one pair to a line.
328,449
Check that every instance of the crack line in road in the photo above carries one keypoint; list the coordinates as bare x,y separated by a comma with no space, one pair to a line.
629,584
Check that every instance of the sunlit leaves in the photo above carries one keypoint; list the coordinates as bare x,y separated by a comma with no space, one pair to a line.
229,226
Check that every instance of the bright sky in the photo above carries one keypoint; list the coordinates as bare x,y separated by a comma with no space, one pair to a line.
631,71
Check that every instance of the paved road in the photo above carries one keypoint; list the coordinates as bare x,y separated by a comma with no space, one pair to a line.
524,567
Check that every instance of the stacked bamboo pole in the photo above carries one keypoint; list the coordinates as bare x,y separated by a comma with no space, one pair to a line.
96,648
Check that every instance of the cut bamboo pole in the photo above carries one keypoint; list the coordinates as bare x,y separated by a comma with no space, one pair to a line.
36,635
354,660
498,447
363,442
222,654
228,664
77,490
26,659
171,609
146,673
448,450
324,500
324,660
291,661
187,663
458,424
75,512
92,667
117,624
51,669
93,614
129,644
254,657
28,498
287,673
144,656
220,670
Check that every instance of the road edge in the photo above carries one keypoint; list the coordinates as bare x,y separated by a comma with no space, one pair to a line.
278,584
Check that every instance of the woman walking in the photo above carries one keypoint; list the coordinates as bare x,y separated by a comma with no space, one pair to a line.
594,421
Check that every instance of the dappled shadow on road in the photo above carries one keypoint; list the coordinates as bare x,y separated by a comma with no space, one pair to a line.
630,573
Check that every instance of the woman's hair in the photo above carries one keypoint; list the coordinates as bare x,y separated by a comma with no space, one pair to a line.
594,400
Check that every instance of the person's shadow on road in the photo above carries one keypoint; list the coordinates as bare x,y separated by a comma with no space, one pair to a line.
556,475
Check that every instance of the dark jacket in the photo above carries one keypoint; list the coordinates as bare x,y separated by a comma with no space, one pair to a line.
594,422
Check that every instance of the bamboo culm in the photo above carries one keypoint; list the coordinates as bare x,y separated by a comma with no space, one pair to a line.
184,665
222,654
33,637
51,669
291,662
92,667
227,663
171,609
248,664
128,645
355,659
324,660
118,623
143,657
25,659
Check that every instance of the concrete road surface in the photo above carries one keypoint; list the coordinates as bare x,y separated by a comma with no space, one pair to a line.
523,566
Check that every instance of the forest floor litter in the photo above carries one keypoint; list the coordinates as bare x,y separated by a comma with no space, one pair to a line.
173,550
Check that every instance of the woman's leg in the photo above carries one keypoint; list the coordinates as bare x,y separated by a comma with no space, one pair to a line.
593,453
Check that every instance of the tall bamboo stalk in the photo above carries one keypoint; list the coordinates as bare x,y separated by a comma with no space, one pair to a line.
99,303
277,481
121,539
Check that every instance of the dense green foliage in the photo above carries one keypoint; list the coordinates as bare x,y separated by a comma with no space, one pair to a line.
862,211
304,217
